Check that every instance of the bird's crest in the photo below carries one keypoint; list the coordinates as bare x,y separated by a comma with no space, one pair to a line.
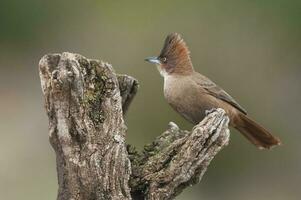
175,47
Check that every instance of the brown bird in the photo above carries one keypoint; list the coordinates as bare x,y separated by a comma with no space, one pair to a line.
191,94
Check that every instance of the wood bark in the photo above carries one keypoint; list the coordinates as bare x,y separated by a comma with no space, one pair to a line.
85,101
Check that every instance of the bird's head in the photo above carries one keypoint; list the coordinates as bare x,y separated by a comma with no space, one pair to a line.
174,57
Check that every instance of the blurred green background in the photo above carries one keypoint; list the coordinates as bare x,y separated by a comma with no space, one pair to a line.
251,48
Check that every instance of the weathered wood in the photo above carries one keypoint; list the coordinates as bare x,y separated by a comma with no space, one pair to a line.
85,101
177,158
86,126
128,87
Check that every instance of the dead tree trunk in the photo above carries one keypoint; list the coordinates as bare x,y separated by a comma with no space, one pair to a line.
85,101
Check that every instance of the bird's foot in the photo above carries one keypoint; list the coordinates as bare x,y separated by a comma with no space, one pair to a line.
207,112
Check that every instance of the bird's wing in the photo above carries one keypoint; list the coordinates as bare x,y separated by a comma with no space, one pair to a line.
217,92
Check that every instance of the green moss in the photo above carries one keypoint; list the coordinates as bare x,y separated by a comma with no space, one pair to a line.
136,184
99,84
94,88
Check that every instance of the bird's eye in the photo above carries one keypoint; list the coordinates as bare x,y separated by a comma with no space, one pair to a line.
164,59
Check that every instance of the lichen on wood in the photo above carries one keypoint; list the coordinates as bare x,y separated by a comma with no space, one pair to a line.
85,101
177,158
83,104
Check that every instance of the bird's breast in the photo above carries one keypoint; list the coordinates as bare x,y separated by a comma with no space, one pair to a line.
185,97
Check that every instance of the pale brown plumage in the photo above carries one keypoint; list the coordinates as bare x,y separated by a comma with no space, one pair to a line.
191,93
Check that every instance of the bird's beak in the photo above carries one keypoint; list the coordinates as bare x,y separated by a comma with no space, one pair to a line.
153,59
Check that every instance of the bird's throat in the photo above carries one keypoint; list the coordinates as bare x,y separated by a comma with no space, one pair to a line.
162,71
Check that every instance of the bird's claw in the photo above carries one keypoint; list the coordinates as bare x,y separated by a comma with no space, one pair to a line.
207,112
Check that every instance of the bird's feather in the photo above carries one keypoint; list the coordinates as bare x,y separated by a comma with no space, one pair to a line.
216,91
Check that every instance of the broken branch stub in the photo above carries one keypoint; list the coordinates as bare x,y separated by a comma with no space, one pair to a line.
86,126
177,158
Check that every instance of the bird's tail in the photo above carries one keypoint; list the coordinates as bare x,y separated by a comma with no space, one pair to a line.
255,133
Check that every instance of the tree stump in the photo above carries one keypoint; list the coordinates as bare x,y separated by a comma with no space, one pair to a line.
85,101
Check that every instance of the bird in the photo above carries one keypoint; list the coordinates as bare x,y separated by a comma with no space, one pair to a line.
192,94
